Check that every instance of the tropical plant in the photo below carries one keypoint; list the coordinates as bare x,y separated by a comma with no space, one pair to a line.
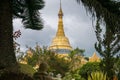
27,10
97,76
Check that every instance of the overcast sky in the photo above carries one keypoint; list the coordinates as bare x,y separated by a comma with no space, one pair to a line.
77,26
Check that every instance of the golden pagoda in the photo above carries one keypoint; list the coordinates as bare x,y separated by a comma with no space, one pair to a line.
94,58
60,43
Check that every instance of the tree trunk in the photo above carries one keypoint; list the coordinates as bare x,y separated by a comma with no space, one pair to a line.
7,54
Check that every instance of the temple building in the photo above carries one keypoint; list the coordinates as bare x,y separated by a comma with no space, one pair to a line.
60,43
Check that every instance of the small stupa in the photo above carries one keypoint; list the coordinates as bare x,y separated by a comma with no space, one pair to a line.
94,58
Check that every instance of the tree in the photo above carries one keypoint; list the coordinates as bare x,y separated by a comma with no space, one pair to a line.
88,68
108,46
106,11
27,10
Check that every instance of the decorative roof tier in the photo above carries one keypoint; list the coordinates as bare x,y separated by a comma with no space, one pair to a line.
60,42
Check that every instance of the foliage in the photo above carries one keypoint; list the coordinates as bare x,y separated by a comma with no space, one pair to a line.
56,64
108,46
117,68
77,51
27,69
118,65
106,12
38,55
88,68
33,60
97,76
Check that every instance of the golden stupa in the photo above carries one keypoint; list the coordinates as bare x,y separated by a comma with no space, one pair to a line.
60,42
